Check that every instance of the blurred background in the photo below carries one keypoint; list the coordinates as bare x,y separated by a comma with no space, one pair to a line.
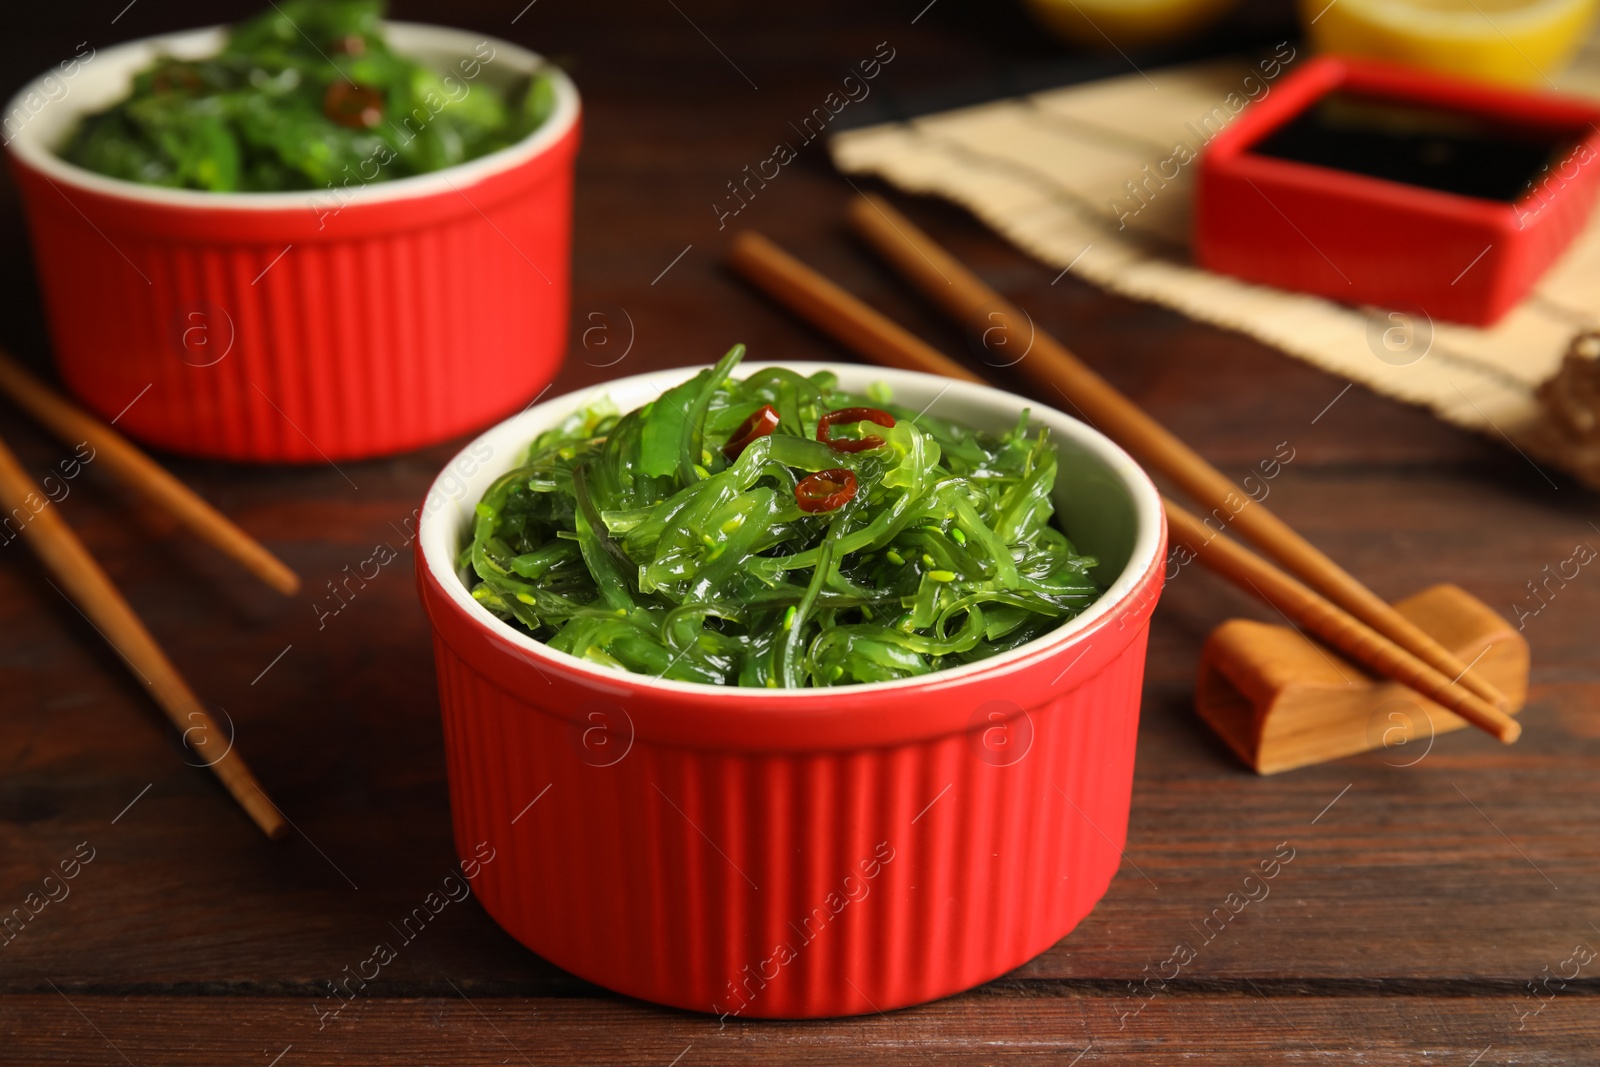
686,105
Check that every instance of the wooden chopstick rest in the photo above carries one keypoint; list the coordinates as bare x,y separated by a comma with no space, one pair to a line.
90,590
1281,702
870,333
72,425
1333,624
945,280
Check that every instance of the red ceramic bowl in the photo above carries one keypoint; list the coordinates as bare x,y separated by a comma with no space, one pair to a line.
806,852
302,326
1361,239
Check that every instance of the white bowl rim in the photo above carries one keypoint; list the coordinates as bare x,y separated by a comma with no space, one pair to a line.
435,540
29,148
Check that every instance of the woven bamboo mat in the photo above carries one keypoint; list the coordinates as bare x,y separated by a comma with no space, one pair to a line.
1048,171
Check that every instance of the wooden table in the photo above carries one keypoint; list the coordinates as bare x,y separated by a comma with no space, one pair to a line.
1422,902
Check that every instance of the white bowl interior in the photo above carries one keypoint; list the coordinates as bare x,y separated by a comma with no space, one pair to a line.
1106,503
37,131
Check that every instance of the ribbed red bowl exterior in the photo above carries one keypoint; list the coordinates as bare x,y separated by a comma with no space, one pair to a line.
302,334
856,851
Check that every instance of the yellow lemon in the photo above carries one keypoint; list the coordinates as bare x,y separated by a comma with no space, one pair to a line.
1124,23
1514,42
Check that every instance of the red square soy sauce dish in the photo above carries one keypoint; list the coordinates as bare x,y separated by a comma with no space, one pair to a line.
1375,184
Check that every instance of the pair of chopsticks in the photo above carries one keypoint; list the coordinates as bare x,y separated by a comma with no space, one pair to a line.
1329,602
89,589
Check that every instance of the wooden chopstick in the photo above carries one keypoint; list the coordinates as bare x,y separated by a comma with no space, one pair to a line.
971,302
1333,624
817,300
90,590
72,425
844,317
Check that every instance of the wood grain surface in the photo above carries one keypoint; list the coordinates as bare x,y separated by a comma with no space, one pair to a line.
1429,888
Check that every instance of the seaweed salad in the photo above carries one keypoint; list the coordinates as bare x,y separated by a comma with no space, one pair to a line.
775,531
305,95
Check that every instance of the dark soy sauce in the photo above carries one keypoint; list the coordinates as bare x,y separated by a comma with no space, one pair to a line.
1434,148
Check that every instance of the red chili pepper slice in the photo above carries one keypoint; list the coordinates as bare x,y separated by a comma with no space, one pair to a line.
760,424
177,76
825,490
848,416
359,107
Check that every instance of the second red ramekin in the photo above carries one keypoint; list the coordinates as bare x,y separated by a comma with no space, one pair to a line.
798,853
303,326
